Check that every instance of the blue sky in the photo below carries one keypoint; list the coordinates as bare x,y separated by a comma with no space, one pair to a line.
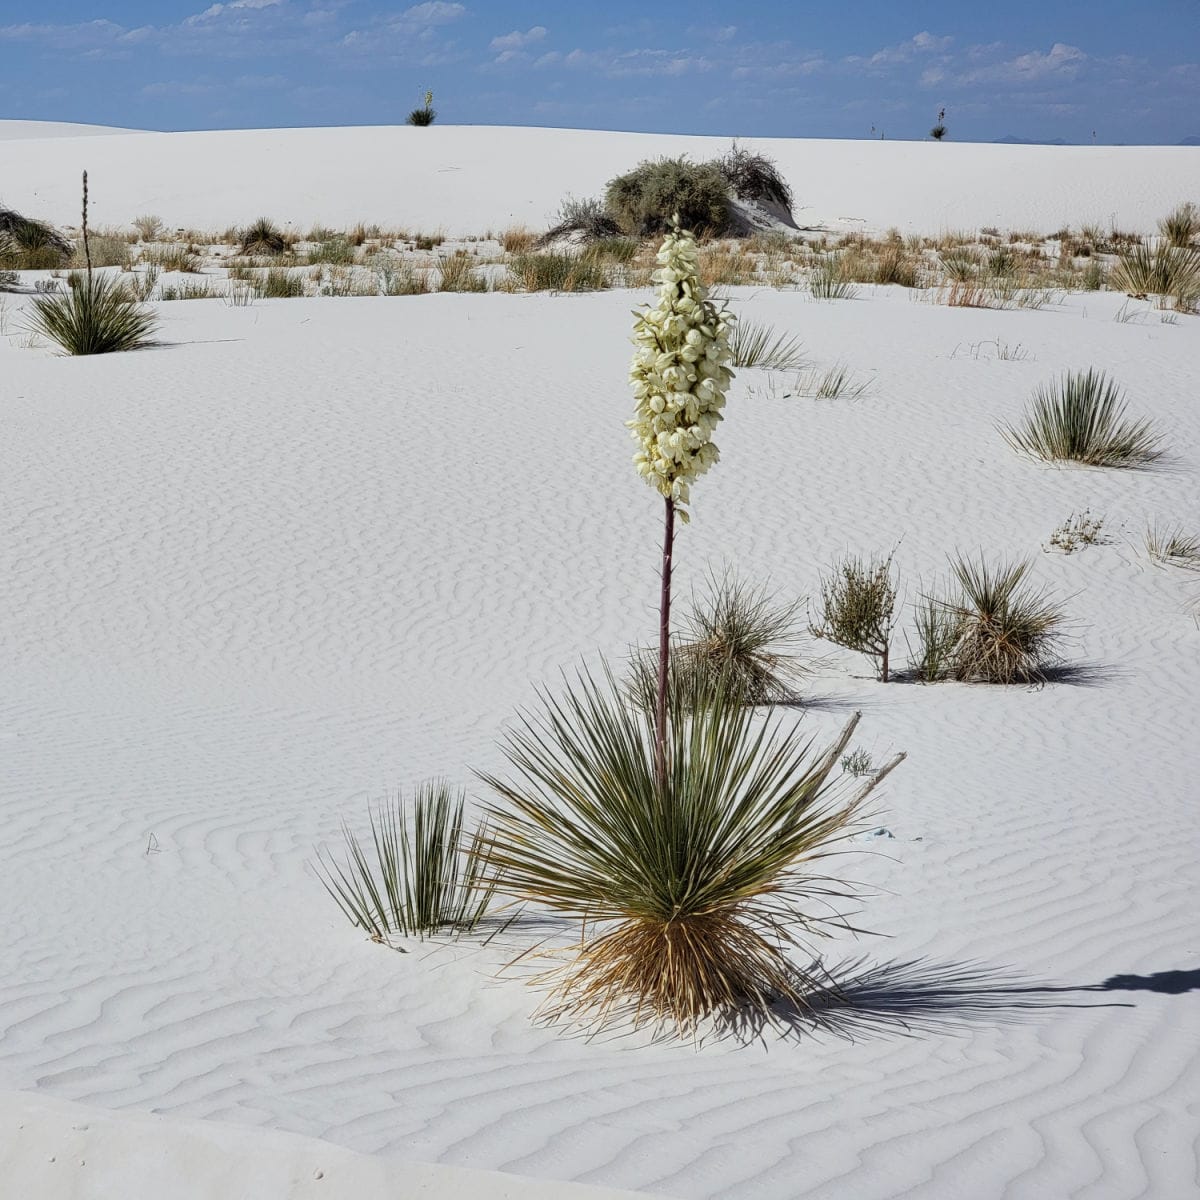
1127,72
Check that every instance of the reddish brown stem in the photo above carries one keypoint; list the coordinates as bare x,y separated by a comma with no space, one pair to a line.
664,650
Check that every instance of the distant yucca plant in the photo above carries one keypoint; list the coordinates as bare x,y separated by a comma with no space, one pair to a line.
1006,631
425,115
263,237
95,315
758,345
417,876
826,281
693,890
1081,418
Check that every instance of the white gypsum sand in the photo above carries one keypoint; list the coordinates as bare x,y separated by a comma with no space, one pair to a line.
309,551
464,180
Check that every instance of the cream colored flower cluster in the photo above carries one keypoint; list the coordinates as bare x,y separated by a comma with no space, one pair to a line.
679,375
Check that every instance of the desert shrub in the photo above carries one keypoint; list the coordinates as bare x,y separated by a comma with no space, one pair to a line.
693,890
428,241
858,605
960,265
753,177
456,275
174,258
588,217
149,228
263,237
758,345
95,315
1007,631
187,290
1164,271
620,250
398,277
738,639
644,200
1173,546
416,876
8,280
335,251
858,764
141,287
938,629
1080,418
1181,226
546,272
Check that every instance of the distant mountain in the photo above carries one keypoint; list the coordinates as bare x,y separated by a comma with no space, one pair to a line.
1013,140
1194,140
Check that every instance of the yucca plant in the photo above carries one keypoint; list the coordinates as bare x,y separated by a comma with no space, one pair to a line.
95,315
758,345
858,605
1167,270
414,877
1181,225
1081,418
1007,631
737,638
691,893
263,237
826,281
939,629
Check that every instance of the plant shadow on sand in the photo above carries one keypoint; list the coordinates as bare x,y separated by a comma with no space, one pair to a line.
907,998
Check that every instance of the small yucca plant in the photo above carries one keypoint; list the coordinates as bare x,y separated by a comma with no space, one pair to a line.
1167,270
1173,546
737,638
692,893
425,115
95,315
1181,226
415,877
1081,418
1006,630
263,237
756,345
939,629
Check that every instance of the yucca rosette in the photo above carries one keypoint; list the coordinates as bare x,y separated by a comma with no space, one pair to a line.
679,375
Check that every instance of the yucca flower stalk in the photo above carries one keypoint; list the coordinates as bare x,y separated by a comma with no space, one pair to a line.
679,375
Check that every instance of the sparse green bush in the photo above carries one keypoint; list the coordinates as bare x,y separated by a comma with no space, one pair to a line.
280,284
587,217
1080,418
858,604
693,889
416,877
938,629
95,315
335,251
644,200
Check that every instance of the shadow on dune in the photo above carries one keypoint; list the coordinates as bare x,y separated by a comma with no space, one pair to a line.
907,998
1172,983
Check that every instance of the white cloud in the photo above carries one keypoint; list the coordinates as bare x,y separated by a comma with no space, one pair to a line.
920,43
215,10
433,12
518,40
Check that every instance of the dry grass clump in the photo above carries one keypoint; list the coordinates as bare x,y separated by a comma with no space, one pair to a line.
455,274
95,315
398,277
858,606
827,281
109,248
1080,418
173,258
1173,546
692,893
517,240
547,272
1181,226
1003,630
148,228
417,876
335,251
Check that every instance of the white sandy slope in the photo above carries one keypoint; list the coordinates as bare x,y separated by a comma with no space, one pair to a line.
311,550
54,1150
469,179
11,131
